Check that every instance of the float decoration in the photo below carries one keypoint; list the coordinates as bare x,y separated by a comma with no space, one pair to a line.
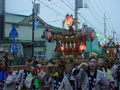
69,20
92,35
48,35
71,42
111,48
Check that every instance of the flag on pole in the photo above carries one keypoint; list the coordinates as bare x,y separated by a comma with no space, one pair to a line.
36,23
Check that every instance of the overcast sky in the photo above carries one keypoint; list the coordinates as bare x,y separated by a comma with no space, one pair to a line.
55,14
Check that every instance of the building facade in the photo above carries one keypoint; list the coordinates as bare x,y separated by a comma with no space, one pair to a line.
23,24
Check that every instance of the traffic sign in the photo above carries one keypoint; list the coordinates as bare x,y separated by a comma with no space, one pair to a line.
13,47
13,33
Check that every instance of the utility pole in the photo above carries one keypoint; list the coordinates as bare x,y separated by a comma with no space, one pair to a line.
113,34
76,17
105,27
35,11
78,5
33,17
116,38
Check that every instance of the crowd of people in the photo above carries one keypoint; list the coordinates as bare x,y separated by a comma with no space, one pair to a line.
99,73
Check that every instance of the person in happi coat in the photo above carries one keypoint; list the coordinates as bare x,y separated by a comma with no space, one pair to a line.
108,72
47,82
7,78
3,74
113,68
40,75
103,66
118,75
90,78
33,60
61,82
32,81
6,57
73,81
22,76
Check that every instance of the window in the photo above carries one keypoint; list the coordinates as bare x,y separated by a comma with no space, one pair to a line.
39,54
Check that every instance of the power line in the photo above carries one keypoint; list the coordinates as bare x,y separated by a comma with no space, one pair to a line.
89,22
93,15
70,3
30,9
106,14
98,7
102,6
80,16
67,5
94,8
81,20
55,20
52,3
110,22
111,25
52,9
59,6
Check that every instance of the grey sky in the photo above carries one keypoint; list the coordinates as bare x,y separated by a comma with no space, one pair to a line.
94,14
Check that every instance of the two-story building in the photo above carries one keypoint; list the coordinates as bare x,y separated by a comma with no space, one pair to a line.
23,24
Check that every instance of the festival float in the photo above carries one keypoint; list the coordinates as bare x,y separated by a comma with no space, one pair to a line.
71,44
111,49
